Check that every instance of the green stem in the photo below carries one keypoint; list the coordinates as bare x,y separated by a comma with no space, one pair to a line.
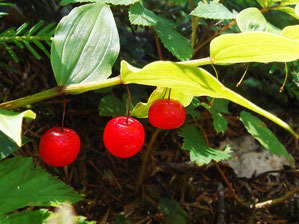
198,62
145,158
67,89
24,38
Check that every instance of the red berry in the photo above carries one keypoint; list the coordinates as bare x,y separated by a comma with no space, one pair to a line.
59,148
123,136
167,114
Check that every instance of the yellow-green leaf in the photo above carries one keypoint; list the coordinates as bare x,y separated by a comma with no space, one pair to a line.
291,32
288,10
251,19
190,80
253,47
11,123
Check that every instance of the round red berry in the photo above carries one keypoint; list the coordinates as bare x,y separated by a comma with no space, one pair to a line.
167,114
123,136
59,147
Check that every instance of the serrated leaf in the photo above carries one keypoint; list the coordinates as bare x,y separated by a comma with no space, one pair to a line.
111,106
213,10
113,2
11,123
85,45
291,32
176,43
22,185
8,146
253,47
260,132
219,123
251,19
189,80
200,152
26,217
141,109
138,15
191,109
288,10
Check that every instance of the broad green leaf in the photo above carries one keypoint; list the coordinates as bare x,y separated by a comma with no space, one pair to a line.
288,10
172,210
200,152
113,2
251,19
22,185
141,109
8,146
260,132
26,217
85,45
213,10
291,32
11,123
176,43
219,105
253,47
190,80
139,15
112,106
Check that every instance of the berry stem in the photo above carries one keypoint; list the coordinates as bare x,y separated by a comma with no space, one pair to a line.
63,113
169,93
129,103
145,158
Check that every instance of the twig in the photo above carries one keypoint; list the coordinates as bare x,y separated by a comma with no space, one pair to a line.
158,45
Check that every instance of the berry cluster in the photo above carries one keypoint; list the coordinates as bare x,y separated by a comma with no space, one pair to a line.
123,136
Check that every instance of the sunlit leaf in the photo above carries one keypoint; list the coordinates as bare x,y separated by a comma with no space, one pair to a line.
189,80
291,32
22,185
200,152
251,19
11,123
253,47
8,146
259,131
267,3
297,9
213,10
85,45
139,15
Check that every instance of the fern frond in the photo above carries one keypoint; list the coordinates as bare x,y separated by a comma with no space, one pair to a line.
29,37
7,4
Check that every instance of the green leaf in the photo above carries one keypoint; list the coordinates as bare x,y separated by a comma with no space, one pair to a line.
85,45
8,146
219,105
267,3
213,10
297,9
112,106
251,19
122,219
113,2
200,152
22,185
177,44
288,10
291,32
141,109
11,123
289,2
190,80
191,109
260,132
139,15
219,123
171,208
253,47
26,217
